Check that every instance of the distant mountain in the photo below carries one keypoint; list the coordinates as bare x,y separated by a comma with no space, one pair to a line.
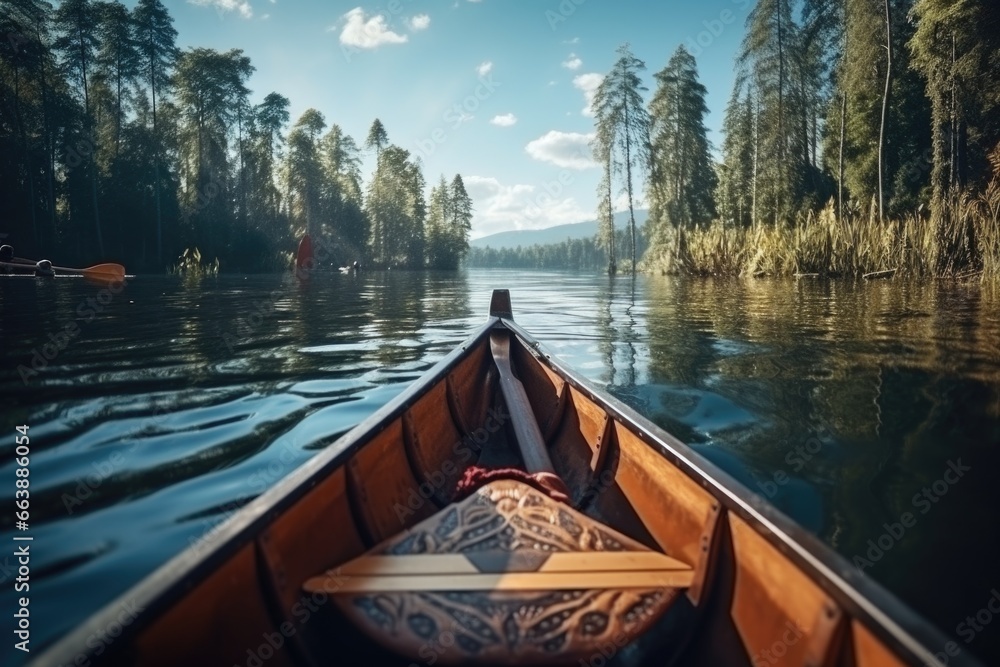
550,235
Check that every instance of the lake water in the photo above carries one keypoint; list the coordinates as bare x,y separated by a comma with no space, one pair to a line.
167,406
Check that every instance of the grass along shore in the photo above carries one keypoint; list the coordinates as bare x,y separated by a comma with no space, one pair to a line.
962,242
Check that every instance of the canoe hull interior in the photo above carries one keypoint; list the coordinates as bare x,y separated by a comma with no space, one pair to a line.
760,591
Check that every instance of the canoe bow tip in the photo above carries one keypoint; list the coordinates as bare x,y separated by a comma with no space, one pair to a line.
500,304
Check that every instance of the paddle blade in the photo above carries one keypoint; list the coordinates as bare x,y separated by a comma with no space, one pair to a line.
105,272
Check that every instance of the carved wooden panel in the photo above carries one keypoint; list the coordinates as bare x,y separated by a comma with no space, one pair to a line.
531,613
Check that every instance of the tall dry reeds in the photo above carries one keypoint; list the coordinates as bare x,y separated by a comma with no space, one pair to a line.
962,241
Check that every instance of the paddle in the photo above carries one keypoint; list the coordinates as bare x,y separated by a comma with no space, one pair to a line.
108,272
529,437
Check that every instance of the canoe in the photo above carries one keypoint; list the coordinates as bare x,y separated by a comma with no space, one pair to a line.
503,510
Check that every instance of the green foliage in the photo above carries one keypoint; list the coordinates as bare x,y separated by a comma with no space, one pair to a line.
735,194
683,183
117,144
377,138
212,95
860,82
768,62
956,49
189,265
449,222
396,210
344,222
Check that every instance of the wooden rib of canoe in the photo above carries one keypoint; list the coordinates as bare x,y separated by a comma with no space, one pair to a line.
632,550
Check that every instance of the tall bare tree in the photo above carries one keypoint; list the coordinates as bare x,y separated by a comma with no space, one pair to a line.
623,127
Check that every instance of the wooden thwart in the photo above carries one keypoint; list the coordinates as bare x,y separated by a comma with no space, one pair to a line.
455,572
508,581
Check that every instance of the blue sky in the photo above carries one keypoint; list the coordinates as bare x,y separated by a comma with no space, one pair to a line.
493,89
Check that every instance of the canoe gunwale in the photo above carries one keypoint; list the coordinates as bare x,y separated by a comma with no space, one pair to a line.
862,597
171,581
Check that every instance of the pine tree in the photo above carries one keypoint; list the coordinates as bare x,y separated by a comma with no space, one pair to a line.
396,210
460,221
342,191
156,39
27,59
76,24
305,172
438,215
683,185
118,58
736,173
270,118
767,58
377,139
211,90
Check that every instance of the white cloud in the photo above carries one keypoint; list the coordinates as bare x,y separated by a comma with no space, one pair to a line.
575,40
484,68
569,150
588,83
241,6
573,62
420,22
366,32
504,120
498,207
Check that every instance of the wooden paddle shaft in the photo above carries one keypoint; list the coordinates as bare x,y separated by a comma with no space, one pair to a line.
529,436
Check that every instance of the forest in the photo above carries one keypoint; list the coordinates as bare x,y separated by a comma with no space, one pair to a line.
860,136
114,143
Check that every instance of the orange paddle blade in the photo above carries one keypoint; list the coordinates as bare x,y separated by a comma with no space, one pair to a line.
110,272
